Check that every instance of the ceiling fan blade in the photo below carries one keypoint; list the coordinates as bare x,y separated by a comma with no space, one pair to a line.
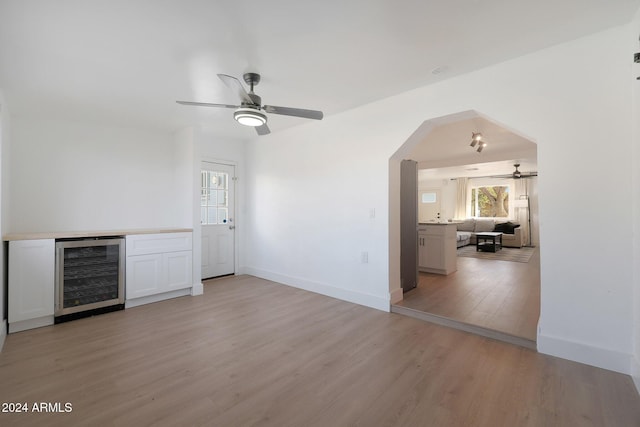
235,85
263,130
296,112
206,104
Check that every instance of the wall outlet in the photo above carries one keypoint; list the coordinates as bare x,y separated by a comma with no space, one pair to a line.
372,213
364,257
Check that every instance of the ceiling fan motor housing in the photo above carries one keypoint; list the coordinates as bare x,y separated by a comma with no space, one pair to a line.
250,114
517,174
252,79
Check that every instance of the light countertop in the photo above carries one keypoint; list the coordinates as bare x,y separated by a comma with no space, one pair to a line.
97,233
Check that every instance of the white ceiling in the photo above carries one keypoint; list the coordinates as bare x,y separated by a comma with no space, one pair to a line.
446,152
125,62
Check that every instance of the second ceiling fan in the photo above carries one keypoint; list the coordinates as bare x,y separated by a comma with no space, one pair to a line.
250,110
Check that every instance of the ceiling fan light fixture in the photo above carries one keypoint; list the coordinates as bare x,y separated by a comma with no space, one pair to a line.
250,117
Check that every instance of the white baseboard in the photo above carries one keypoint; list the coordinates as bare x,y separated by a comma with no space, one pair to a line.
24,325
635,372
3,333
368,300
130,303
587,354
396,296
197,289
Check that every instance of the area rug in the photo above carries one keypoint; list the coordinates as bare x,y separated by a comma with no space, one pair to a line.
505,254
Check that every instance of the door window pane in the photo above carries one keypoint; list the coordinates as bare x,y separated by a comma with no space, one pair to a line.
222,215
429,198
222,198
212,216
214,200
222,181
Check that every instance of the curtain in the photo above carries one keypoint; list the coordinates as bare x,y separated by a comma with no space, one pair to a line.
522,212
461,198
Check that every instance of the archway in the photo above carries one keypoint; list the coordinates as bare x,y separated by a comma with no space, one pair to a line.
443,144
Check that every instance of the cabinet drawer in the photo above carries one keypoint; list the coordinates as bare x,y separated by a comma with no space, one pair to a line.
144,244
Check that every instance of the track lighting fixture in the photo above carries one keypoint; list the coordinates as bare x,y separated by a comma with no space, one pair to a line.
475,138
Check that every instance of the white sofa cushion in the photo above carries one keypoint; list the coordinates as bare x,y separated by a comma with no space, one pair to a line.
484,225
463,235
467,225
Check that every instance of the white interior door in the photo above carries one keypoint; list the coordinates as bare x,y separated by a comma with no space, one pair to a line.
429,205
217,219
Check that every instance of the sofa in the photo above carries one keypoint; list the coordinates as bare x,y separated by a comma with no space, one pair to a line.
467,229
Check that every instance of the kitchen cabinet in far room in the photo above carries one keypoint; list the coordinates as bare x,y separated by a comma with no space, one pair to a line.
437,248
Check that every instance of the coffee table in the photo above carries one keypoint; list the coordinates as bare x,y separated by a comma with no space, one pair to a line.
489,241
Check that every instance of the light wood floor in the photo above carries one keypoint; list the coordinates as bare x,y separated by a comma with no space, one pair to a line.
499,295
252,352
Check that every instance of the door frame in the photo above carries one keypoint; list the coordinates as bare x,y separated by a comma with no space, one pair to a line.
237,221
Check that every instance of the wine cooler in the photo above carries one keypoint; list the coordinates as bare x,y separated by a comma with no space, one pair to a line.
89,277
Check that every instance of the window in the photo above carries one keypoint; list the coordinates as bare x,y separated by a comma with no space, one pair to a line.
214,198
490,201
429,197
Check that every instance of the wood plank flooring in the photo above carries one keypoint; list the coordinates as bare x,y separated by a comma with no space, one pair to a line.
500,295
250,352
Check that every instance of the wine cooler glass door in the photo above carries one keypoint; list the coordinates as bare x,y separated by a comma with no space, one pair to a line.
89,274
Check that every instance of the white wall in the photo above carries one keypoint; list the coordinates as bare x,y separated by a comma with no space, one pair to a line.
72,176
311,190
4,170
316,201
635,47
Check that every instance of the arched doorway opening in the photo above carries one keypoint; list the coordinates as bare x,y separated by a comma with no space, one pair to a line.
499,297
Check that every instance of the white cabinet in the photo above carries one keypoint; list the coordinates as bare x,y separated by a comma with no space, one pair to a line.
159,266
437,248
31,283
143,275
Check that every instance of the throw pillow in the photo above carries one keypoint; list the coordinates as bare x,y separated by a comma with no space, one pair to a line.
507,227
500,227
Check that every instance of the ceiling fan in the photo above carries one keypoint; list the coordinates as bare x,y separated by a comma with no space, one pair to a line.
516,174
249,112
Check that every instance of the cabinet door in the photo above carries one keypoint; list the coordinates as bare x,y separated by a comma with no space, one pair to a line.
434,257
178,268
31,279
144,275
